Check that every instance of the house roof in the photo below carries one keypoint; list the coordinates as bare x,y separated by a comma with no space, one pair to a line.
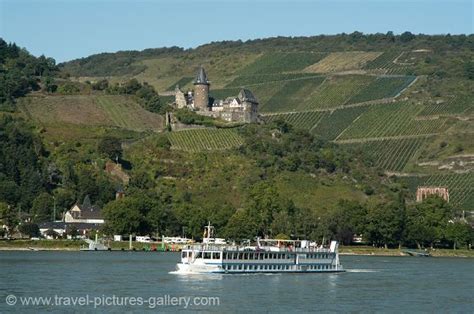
89,211
92,212
247,95
201,77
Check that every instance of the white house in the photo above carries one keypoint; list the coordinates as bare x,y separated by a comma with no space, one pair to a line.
85,213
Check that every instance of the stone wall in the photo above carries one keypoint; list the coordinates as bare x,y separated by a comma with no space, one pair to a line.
423,192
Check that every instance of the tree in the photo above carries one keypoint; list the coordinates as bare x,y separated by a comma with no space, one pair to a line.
127,215
241,226
427,221
42,208
29,229
51,233
406,37
111,147
9,217
458,233
385,223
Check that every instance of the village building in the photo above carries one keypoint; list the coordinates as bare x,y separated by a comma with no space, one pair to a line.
82,218
85,213
242,108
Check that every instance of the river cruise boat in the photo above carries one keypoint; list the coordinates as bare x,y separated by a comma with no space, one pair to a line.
267,256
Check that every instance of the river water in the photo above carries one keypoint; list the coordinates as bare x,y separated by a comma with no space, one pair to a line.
144,281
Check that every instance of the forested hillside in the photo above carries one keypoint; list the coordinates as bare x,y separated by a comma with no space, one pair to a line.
351,125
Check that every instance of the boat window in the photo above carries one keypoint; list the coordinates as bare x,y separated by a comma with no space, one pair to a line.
183,255
240,256
225,255
199,255
207,255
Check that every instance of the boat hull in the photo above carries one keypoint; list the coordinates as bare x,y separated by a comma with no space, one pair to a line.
209,269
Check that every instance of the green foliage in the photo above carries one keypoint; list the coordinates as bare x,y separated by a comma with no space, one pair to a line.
21,168
187,116
112,64
20,72
427,221
149,98
29,229
385,223
459,233
9,217
42,208
111,147
68,89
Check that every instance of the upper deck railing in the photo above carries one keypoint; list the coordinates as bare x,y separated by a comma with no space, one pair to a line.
222,248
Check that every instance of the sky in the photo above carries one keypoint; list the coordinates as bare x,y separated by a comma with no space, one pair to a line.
70,29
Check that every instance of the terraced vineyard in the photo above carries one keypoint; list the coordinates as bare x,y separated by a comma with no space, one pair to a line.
460,186
342,61
299,120
106,110
196,140
293,95
384,63
249,80
391,155
336,92
452,106
383,87
280,62
337,121
395,119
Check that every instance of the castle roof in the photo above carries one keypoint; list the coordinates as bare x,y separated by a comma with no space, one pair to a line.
201,77
246,95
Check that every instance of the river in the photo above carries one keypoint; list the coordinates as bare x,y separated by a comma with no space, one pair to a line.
141,281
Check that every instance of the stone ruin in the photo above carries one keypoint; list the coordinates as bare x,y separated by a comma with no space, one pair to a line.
423,192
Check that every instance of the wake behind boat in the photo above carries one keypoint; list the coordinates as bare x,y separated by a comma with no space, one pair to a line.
267,256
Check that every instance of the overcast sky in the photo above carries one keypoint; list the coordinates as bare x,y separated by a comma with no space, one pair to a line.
70,29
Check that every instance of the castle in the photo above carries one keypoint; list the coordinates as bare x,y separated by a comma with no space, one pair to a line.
243,108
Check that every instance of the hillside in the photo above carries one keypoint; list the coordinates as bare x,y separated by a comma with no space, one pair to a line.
406,103
349,124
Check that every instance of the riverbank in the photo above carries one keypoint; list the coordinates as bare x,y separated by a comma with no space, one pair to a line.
70,245
75,245
369,251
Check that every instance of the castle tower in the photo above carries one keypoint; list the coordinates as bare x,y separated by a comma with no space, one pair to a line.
201,91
